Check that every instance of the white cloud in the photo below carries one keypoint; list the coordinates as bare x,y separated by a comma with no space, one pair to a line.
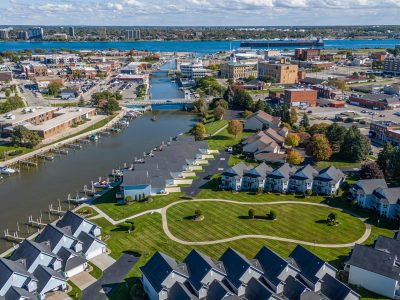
115,6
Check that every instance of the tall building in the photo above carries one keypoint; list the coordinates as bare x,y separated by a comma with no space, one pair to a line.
391,66
281,72
71,31
132,34
103,32
22,35
4,34
35,33
235,70
307,54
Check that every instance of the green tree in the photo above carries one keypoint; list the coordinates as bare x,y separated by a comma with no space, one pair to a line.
218,113
394,165
259,105
319,148
81,101
355,147
319,128
335,134
54,88
305,121
371,170
272,215
24,137
293,116
294,157
251,213
198,105
111,106
292,139
384,157
199,131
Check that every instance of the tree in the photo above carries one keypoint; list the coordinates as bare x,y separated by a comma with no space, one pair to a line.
293,116
294,157
269,79
384,157
292,139
199,131
332,219
81,101
198,213
268,109
259,105
304,138
305,121
251,213
54,88
218,113
394,164
229,94
235,127
319,148
128,199
272,215
247,114
371,170
355,147
335,134
111,106
198,105
25,137
319,128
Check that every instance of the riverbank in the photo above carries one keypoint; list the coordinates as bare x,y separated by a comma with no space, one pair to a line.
66,140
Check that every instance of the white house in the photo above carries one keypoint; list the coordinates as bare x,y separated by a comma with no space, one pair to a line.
278,180
328,181
260,120
232,179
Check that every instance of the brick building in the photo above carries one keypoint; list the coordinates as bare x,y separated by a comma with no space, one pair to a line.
282,73
385,131
235,70
300,97
307,54
376,101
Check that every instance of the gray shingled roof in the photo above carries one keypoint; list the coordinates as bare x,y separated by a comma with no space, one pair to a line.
272,264
237,170
255,290
53,235
236,265
159,267
305,173
284,171
70,259
180,292
369,185
387,195
334,289
87,240
17,293
198,265
262,170
73,220
218,290
390,245
44,274
330,174
376,261
308,263
8,267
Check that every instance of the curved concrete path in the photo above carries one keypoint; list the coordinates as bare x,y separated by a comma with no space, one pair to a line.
362,239
163,212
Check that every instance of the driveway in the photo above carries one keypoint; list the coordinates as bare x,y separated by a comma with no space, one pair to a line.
112,276
103,261
83,280
217,165
58,296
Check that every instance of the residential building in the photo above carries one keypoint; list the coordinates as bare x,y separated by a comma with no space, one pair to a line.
5,73
282,73
375,101
328,181
261,120
193,70
57,59
376,268
385,131
35,33
22,35
132,34
307,54
300,97
391,65
255,178
278,180
4,33
302,275
302,180
376,195
165,170
232,178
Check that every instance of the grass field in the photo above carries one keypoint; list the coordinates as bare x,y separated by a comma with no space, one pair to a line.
96,272
223,139
108,204
294,221
7,151
337,162
213,127
237,158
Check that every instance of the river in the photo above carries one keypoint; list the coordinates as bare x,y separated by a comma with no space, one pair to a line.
34,189
201,47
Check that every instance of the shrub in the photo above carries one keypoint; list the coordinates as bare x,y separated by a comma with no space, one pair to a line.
259,190
128,199
272,215
339,192
251,213
308,192
198,213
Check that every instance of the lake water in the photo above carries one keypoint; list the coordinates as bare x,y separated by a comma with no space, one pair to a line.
201,47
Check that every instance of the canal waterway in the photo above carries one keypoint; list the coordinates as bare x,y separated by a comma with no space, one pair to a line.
201,47
35,188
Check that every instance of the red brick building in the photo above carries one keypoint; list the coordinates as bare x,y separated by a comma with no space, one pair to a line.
307,54
300,97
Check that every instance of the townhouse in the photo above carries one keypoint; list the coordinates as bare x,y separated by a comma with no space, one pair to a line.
44,265
283,179
376,268
260,120
376,195
302,275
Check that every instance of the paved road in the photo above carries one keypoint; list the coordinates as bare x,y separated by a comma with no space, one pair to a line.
112,276
361,240
216,165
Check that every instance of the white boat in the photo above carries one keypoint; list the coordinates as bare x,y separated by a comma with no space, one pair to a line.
102,185
7,171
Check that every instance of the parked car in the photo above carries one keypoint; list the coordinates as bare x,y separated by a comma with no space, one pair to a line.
230,149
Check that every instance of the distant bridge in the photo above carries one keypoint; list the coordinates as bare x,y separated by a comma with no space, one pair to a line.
163,102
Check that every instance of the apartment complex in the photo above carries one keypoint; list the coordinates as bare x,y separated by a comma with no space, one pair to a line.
132,34
300,97
303,275
283,73
4,34
46,121
35,33
391,65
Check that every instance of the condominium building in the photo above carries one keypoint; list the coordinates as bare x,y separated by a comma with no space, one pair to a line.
193,70
71,31
283,73
35,33
4,34
392,65
22,35
132,34
57,59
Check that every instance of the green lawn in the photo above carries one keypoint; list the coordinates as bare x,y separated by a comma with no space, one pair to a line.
109,205
75,293
234,159
213,127
96,272
223,139
10,151
87,211
295,221
338,163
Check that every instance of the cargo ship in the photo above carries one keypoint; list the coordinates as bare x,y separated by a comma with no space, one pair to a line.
282,43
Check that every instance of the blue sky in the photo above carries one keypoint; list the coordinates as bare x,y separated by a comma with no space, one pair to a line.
199,12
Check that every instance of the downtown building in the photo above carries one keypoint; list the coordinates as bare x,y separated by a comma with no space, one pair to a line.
132,34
